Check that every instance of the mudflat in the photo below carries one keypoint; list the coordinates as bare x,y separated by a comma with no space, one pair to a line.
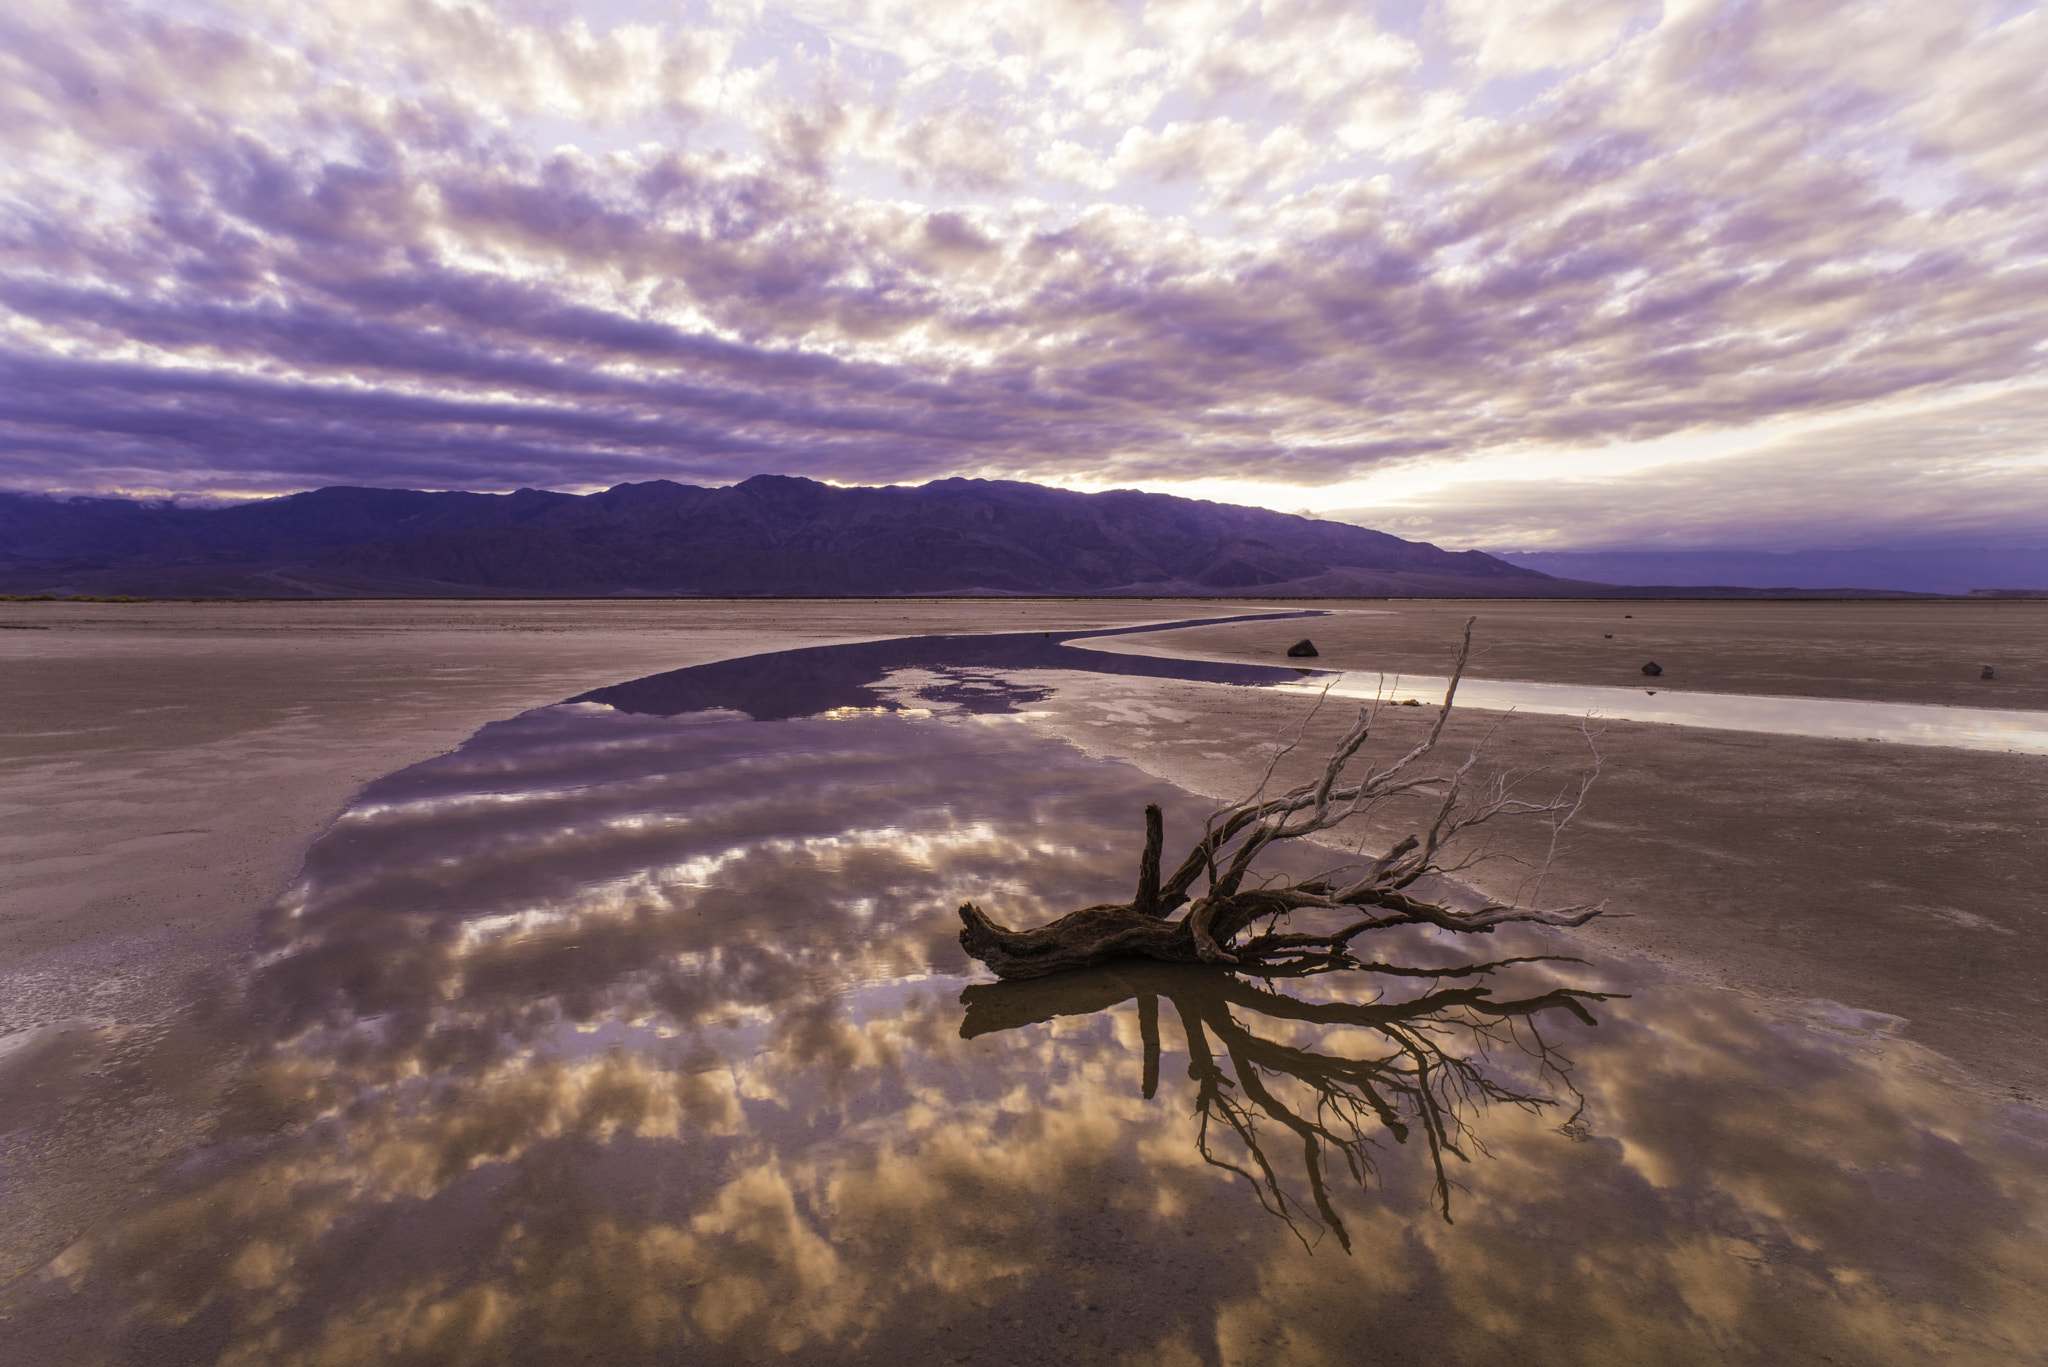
167,766
1910,652
1903,879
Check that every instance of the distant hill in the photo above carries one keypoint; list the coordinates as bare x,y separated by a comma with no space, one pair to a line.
1949,570
771,535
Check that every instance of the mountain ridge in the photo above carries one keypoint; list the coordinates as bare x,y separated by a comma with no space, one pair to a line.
768,536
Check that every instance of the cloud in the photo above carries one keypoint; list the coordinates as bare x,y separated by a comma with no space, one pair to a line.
1511,38
1973,472
253,247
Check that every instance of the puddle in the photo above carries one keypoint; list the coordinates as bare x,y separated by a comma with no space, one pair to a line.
822,679
636,1031
1970,728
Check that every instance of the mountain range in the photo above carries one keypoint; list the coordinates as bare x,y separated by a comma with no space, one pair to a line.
771,535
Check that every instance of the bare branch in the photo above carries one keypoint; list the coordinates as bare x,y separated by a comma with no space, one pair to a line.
1215,928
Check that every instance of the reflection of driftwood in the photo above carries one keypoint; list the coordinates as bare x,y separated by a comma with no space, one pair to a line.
1405,1067
1383,888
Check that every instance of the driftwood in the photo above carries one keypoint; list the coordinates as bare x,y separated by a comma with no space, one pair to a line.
1372,894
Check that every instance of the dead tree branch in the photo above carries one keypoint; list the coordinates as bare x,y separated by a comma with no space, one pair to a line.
1210,880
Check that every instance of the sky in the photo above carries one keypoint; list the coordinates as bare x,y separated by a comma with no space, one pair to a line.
1523,274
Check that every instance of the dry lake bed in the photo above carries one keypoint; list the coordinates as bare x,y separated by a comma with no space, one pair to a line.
364,999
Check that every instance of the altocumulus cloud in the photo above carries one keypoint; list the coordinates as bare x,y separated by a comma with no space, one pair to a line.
261,246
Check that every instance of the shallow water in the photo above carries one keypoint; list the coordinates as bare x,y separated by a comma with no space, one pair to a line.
1968,728
636,1032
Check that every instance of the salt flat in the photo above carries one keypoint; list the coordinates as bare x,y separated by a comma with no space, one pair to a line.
169,764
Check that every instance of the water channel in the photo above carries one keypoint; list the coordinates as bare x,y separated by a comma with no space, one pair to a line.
1968,728
635,1031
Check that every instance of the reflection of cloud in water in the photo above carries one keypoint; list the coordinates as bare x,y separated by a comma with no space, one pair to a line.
657,1055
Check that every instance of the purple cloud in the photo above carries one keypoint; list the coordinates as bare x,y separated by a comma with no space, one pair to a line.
427,244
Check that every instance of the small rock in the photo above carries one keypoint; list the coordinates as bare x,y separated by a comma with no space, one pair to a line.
1653,669
1304,649
1987,673
1610,635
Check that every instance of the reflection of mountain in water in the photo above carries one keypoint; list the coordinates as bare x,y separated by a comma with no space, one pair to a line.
1327,1075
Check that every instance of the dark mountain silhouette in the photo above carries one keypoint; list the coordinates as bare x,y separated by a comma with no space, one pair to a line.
771,535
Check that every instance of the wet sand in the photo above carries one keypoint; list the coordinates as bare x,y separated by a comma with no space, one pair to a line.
167,766
637,1031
